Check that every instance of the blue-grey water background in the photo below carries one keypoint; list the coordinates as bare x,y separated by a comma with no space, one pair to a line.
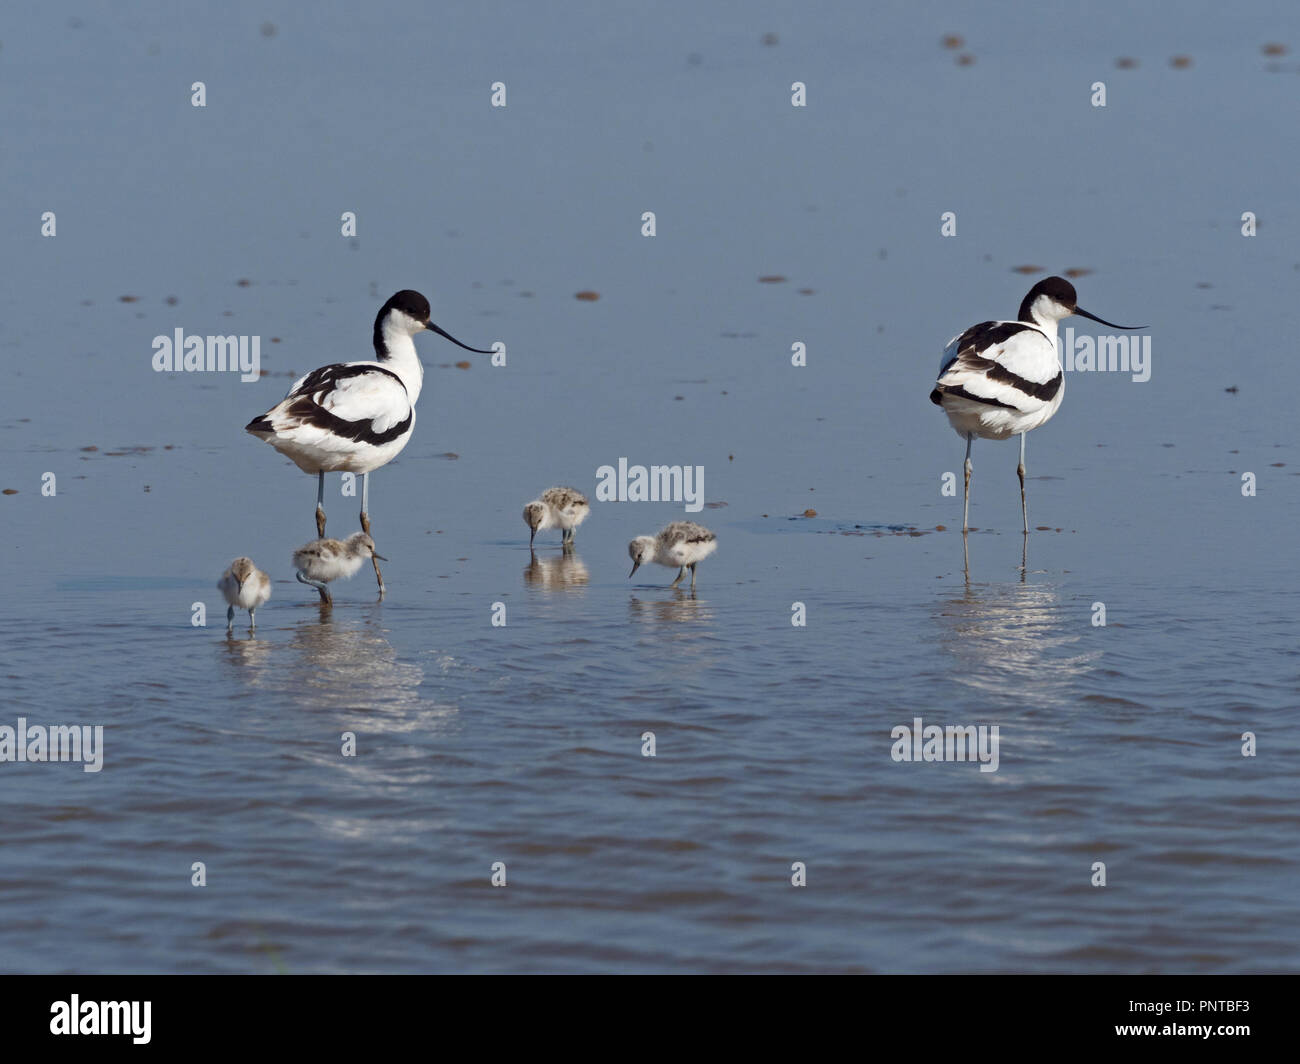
522,744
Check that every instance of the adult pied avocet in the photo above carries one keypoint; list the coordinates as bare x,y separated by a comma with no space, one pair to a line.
356,416
1000,378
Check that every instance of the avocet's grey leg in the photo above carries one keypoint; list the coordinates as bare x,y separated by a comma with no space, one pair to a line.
1020,470
320,505
965,513
365,527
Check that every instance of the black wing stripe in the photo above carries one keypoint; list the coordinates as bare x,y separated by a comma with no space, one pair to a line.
936,396
989,334
995,371
982,337
329,376
307,412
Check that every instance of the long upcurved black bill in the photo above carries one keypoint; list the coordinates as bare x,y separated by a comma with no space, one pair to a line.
635,567
1084,314
479,350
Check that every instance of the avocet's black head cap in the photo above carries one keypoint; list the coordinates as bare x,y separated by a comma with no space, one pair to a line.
410,303
1057,289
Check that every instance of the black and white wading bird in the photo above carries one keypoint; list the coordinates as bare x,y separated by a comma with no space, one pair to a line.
354,417
1000,378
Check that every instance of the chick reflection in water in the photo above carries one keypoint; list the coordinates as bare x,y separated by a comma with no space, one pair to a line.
566,573
344,662
682,608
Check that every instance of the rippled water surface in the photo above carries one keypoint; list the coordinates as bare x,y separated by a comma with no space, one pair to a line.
523,744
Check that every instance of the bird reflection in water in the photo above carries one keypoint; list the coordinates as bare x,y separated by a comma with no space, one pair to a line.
965,553
565,573
245,649
681,608
1013,642
349,663
330,661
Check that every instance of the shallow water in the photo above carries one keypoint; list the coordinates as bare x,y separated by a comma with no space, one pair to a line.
522,744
